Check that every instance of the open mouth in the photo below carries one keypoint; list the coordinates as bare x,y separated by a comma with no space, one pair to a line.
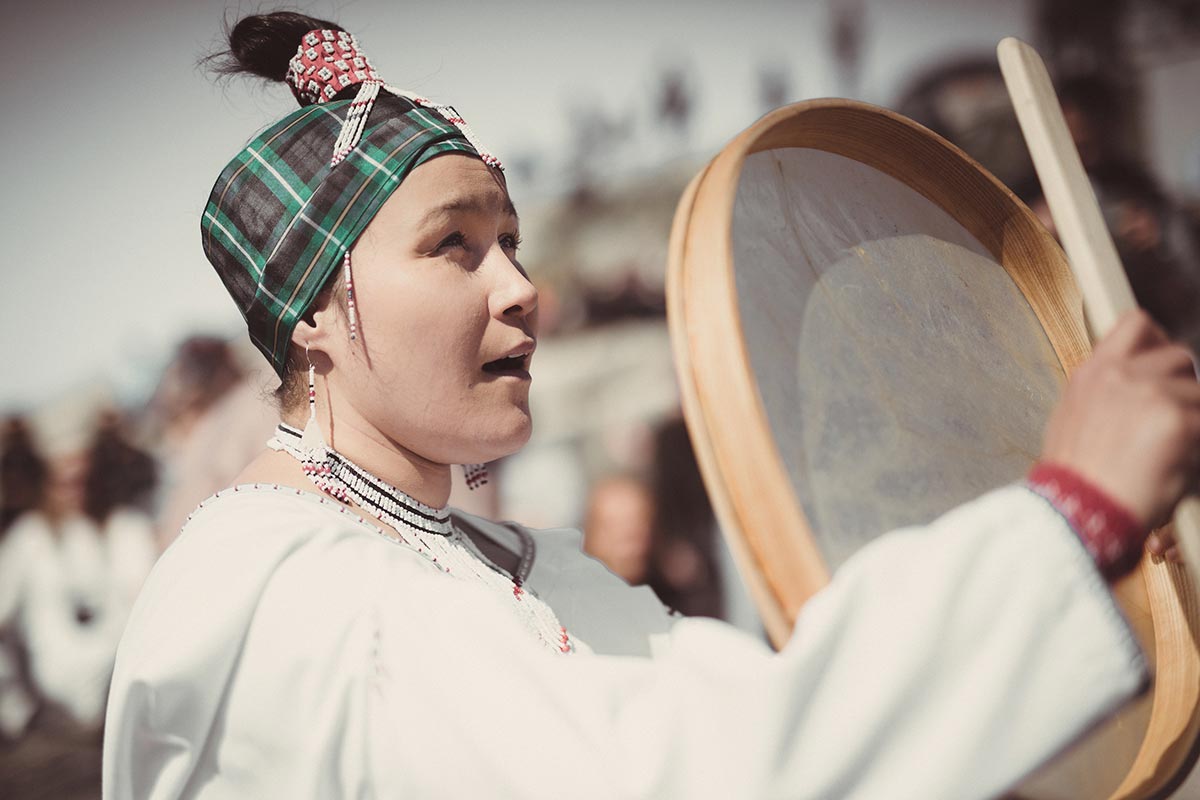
511,365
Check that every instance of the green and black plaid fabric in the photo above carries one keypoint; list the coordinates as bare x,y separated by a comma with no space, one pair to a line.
279,219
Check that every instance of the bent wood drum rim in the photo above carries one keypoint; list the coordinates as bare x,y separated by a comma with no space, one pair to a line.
742,467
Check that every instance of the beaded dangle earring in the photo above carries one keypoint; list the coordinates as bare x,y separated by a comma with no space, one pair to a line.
476,475
351,309
313,439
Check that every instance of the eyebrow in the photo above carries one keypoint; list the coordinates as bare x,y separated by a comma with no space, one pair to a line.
470,205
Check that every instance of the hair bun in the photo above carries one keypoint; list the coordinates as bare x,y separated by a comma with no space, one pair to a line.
263,44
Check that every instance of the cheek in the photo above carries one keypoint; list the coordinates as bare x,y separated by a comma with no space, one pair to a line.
418,369
425,324
420,349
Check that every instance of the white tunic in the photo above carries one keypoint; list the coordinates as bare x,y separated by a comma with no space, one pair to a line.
283,649
49,576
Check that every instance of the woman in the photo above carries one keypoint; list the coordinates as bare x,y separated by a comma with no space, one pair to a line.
213,419
328,629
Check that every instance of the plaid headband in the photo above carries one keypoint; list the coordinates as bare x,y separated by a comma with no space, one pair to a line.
286,210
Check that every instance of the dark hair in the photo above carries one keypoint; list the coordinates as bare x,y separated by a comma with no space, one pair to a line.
1097,97
1127,180
204,369
119,474
23,472
683,513
261,45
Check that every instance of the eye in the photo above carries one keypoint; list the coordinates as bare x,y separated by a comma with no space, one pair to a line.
510,241
455,239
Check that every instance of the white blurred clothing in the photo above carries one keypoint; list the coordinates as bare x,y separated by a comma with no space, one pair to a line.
219,445
17,706
282,648
68,590
737,607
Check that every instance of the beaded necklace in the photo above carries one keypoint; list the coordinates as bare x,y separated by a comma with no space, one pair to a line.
425,529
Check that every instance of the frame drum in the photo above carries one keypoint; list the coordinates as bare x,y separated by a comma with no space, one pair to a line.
869,330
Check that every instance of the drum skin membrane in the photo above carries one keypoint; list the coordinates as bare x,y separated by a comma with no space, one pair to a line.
901,370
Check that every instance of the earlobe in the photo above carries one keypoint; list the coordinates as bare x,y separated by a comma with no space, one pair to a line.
305,332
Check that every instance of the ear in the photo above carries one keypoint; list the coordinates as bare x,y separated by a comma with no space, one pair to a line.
315,331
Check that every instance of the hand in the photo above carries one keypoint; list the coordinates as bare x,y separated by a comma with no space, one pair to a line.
1129,421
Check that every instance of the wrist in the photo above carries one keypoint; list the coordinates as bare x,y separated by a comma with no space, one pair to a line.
1112,534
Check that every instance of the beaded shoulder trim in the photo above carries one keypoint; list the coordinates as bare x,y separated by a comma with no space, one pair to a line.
306,496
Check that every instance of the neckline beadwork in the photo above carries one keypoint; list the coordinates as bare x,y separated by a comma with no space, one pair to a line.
427,530
340,477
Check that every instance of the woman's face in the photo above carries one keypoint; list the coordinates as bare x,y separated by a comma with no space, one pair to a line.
446,320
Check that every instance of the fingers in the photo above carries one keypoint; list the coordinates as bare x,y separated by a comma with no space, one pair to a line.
1180,406
1129,420
1161,544
1158,543
1166,360
1133,332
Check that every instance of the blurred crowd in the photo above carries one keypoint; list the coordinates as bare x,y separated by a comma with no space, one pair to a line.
1157,235
86,507
77,545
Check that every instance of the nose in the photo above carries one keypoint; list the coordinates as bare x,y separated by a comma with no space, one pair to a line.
514,295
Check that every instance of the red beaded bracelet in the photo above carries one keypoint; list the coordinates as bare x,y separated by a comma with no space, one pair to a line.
1111,534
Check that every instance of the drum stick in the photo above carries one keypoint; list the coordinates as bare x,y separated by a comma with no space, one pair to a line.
1089,247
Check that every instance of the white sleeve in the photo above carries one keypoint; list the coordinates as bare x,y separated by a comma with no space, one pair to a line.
984,643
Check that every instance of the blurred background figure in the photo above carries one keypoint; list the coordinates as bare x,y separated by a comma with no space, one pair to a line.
212,412
662,532
23,474
1157,238
619,526
687,574
74,558
118,494
1158,245
76,545
1125,75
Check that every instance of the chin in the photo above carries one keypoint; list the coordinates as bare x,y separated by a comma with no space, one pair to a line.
504,436
519,435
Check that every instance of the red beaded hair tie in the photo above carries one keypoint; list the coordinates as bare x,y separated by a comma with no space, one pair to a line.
329,61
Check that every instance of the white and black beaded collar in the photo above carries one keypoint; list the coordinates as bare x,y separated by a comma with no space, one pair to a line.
373,494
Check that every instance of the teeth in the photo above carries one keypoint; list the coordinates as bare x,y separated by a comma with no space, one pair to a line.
517,360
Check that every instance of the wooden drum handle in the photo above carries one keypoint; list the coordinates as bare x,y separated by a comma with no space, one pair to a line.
1089,247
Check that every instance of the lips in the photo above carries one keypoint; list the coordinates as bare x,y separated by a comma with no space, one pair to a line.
514,362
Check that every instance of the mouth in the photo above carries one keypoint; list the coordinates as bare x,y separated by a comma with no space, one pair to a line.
507,366
515,364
